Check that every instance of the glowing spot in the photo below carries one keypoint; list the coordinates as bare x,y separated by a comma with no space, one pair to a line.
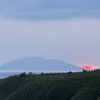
89,67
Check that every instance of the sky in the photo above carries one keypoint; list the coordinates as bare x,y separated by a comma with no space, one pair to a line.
67,30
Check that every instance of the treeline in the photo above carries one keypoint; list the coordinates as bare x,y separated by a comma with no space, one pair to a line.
24,74
83,85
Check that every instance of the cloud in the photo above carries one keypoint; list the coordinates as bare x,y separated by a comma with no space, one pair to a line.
49,9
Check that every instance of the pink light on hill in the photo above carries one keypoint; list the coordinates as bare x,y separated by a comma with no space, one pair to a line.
89,67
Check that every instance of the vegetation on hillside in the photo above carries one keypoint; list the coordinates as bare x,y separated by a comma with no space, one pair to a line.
52,86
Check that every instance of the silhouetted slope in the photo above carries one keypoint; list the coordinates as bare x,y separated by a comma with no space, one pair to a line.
60,86
37,63
9,85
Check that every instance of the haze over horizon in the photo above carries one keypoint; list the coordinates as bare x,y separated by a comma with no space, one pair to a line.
52,29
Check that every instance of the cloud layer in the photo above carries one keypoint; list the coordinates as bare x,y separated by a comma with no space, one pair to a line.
49,9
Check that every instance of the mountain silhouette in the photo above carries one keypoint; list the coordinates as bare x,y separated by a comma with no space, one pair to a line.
38,63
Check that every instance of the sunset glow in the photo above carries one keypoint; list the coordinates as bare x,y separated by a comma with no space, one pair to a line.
89,67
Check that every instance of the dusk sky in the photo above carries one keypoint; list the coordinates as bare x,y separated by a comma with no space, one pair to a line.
67,30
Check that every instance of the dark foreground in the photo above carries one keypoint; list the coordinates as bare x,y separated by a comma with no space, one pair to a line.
53,86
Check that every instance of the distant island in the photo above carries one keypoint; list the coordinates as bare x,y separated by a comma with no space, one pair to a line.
38,63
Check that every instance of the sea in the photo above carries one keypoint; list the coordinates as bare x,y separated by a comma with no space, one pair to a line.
7,73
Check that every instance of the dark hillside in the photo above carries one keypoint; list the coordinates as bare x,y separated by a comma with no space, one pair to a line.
54,86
